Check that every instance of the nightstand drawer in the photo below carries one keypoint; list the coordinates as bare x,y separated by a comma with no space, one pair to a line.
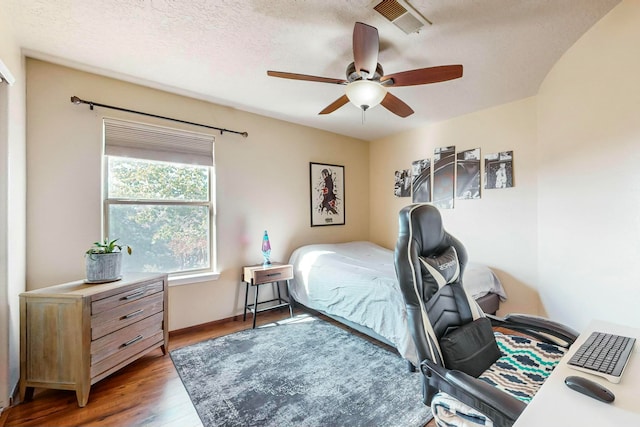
257,275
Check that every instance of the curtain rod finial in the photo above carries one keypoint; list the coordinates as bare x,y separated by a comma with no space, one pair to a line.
245,134
75,100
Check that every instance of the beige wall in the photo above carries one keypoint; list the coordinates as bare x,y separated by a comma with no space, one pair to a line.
262,183
12,209
566,239
499,229
589,175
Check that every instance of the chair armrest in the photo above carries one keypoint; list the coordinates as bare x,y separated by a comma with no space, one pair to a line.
502,408
539,327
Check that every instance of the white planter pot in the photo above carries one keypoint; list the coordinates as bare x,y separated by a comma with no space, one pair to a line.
103,268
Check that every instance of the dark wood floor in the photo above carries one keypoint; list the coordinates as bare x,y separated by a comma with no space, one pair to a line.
148,392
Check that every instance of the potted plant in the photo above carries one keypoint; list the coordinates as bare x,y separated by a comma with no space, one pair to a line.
103,261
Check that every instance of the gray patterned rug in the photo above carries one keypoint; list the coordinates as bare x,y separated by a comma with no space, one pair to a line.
299,372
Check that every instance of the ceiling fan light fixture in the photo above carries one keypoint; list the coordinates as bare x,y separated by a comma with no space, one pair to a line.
365,94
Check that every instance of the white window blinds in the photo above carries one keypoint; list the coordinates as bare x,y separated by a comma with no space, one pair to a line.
143,141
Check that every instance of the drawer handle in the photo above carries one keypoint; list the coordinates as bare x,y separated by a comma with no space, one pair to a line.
133,340
134,295
134,314
273,274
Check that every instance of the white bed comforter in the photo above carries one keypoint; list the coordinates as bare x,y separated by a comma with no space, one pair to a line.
357,281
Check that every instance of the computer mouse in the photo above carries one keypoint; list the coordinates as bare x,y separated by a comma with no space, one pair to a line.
590,388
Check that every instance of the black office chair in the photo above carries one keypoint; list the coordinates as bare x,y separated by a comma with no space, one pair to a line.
469,371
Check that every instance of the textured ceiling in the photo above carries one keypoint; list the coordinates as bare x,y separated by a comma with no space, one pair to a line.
220,50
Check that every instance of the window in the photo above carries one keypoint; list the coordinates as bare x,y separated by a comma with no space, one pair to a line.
158,197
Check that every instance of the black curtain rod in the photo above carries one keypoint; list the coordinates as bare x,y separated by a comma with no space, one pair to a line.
78,101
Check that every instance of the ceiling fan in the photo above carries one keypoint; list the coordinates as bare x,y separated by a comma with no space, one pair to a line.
366,84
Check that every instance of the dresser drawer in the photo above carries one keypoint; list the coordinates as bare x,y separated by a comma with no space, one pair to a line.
124,338
125,297
257,276
126,314
140,344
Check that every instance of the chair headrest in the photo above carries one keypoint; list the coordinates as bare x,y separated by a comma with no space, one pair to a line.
423,224
427,256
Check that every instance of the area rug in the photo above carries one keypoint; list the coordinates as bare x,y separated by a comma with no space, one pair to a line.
299,372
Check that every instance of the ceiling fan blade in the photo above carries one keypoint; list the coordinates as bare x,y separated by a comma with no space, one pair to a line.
396,105
423,76
365,49
306,77
335,105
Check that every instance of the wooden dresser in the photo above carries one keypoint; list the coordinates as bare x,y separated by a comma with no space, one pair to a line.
75,334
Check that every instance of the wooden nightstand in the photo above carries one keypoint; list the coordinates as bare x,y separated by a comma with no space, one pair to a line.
257,275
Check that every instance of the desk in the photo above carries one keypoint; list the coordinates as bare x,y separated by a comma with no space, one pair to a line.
555,404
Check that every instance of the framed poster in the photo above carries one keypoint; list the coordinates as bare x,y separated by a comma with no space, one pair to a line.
421,181
402,186
327,194
498,170
443,173
468,174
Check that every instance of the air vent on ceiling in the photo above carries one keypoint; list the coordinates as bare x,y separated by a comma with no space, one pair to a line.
402,15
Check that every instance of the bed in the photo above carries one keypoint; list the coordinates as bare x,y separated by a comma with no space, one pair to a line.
355,283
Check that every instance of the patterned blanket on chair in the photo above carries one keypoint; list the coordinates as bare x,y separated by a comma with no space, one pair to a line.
520,371
524,365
